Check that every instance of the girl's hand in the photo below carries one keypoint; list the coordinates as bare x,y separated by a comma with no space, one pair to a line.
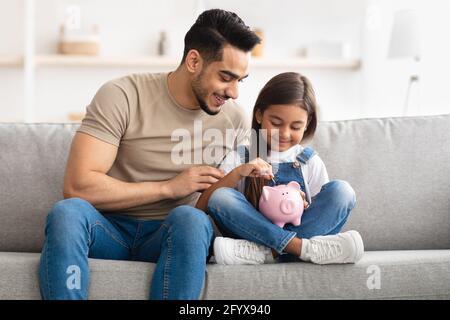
305,203
256,168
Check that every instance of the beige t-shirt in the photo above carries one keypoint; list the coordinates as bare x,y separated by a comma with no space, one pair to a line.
156,137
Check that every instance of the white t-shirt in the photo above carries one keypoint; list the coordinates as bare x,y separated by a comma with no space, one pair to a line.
314,171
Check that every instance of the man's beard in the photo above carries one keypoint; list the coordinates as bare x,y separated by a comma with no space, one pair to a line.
199,93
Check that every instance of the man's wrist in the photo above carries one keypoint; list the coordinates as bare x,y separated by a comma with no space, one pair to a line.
166,190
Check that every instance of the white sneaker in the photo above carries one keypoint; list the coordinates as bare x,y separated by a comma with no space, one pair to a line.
346,247
236,251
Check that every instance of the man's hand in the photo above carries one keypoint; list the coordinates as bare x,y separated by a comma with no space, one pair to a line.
192,180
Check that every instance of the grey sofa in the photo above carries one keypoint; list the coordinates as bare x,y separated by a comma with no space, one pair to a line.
399,168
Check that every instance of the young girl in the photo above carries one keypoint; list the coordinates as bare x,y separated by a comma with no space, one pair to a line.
286,110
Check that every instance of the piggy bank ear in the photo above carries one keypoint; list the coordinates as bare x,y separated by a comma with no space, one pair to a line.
294,184
265,193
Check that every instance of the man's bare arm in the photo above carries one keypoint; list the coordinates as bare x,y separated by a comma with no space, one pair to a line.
89,161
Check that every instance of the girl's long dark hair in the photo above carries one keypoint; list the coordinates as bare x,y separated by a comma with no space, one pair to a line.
285,88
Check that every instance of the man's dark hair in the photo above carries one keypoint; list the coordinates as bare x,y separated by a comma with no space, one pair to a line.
213,30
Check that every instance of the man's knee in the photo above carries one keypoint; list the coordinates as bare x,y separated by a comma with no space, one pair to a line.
65,213
190,220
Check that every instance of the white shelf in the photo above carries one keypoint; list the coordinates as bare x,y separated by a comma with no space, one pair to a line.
29,62
11,61
150,61
306,63
58,60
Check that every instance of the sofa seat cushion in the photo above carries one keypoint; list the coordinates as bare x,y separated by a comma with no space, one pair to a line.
413,274
421,274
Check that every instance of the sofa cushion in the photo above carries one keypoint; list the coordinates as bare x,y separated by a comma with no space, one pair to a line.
33,159
401,274
400,171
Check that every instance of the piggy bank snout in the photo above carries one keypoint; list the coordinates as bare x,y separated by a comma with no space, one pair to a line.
287,206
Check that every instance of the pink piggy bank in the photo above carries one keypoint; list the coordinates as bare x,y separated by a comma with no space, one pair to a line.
282,204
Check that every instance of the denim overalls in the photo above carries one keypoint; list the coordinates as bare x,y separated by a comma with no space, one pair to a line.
286,172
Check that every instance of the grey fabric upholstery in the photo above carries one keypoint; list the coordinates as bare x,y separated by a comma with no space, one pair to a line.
408,274
399,168
33,158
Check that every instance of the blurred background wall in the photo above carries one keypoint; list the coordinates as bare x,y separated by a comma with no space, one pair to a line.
341,45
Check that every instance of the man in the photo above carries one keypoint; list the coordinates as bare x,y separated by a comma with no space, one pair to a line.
126,197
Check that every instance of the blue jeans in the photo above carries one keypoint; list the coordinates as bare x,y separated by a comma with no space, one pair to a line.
76,231
326,215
